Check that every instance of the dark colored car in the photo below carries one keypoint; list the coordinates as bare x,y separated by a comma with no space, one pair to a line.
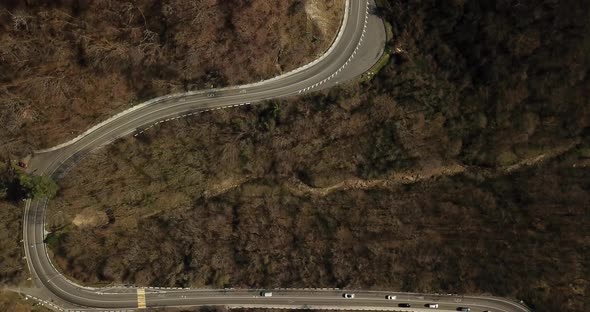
404,305
463,309
22,164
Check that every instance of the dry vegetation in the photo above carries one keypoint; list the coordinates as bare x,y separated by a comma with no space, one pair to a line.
13,302
12,267
216,201
69,64
463,167
66,65
448,173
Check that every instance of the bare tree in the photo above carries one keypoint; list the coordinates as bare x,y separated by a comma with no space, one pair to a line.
19,21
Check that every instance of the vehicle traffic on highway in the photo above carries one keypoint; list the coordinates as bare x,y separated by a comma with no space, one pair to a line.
266,294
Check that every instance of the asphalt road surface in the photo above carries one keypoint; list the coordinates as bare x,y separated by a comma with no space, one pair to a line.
357,47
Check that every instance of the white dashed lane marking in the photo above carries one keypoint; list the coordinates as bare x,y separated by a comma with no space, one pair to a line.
298,92
349,59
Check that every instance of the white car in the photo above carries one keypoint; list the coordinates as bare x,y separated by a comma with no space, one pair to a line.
432,305
390,297
348,296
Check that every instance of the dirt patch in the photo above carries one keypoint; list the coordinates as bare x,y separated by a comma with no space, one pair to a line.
406,177
224,186
90,218
326,14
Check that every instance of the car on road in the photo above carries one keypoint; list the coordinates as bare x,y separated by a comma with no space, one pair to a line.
463,309
390,297
348,296
404,305
211,94
22,164
266,294
432,305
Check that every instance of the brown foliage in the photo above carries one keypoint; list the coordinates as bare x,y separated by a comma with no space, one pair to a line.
67,65
13,302
12,267
185,210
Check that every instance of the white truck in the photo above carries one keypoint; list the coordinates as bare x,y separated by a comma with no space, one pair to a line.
266,294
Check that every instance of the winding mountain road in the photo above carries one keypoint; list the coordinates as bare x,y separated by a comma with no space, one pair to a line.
356,48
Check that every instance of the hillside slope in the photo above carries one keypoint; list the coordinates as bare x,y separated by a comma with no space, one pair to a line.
67,65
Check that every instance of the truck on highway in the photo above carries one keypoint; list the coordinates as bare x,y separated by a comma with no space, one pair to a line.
266,294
